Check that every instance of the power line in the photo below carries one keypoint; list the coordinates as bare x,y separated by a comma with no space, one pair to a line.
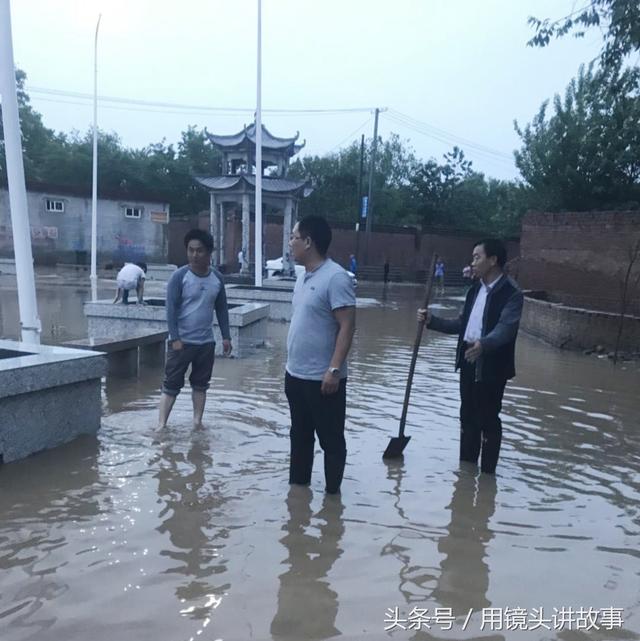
149,106
447,137
353,133
178,107
446,134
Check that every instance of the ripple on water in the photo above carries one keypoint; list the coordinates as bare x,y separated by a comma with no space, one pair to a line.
172,533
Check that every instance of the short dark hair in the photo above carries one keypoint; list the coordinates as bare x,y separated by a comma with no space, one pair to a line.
316,228
494,247
199,234
142,266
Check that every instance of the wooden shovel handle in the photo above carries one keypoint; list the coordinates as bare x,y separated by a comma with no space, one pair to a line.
416,346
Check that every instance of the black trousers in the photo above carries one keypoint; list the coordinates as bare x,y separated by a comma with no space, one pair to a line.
480,425
313,413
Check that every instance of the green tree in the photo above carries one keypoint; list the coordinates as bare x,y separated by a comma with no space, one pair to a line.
618,20
434,185
586,155
38,141
335,179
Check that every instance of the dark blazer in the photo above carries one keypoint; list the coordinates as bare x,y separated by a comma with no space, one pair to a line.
499,329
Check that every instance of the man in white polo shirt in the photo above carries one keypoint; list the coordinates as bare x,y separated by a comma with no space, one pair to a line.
320,334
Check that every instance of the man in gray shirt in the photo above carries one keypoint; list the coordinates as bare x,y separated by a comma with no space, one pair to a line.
322,327
193,292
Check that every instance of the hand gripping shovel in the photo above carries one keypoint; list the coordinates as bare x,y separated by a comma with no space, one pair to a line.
398,443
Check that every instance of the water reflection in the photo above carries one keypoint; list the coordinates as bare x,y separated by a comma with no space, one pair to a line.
39,497
194,520
464,571
307,606
416,581
191,504
132,393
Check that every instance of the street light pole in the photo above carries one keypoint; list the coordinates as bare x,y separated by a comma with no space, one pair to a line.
27,303
94,187
258,223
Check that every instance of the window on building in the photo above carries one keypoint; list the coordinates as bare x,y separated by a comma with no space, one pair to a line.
54,205
133,212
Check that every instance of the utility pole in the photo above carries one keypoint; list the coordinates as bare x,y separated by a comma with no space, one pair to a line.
94,181
372,165
359,200
27,304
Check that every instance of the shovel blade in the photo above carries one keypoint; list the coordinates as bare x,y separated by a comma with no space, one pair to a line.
396,447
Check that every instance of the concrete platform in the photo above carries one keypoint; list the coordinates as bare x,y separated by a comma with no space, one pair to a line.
125,355
7,266
247,321
49,395
278,298
160,272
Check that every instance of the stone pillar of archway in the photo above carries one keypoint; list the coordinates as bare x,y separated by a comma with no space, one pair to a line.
246,232
214,227
288,268
221,254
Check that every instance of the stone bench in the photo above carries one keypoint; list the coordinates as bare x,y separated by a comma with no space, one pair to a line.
7,266
49,395
126,353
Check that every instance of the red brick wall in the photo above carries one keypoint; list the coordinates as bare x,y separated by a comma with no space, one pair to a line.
579,258
407,249
571,328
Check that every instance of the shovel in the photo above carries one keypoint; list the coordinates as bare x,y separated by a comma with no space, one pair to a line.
398,443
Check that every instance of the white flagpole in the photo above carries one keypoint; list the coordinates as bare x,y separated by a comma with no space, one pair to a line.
27,303
94,186
258,223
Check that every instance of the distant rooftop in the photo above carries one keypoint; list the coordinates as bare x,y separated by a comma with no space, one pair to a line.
269,185
84,191
247,137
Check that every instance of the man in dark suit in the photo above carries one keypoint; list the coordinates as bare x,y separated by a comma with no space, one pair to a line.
487,330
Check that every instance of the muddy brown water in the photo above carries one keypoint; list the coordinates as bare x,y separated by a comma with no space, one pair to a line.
178,535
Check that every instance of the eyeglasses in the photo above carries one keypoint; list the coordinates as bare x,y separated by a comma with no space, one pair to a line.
292,237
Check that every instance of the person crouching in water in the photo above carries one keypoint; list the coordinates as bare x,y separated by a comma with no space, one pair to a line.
131,276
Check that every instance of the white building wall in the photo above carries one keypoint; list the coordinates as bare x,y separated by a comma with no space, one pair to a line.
66,236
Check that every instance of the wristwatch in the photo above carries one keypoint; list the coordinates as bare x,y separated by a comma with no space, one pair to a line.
334,370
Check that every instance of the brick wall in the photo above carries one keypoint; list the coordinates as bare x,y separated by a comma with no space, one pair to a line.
407,249
579,258
575,328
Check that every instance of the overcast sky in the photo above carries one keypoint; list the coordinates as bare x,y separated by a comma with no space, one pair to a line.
460,67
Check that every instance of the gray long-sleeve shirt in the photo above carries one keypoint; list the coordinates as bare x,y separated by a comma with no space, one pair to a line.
191,300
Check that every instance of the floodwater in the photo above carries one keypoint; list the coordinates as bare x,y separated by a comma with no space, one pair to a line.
179,535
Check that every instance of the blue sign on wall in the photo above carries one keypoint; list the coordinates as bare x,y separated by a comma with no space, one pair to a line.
365,206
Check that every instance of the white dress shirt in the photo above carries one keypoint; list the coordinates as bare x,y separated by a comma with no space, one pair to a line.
473,331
